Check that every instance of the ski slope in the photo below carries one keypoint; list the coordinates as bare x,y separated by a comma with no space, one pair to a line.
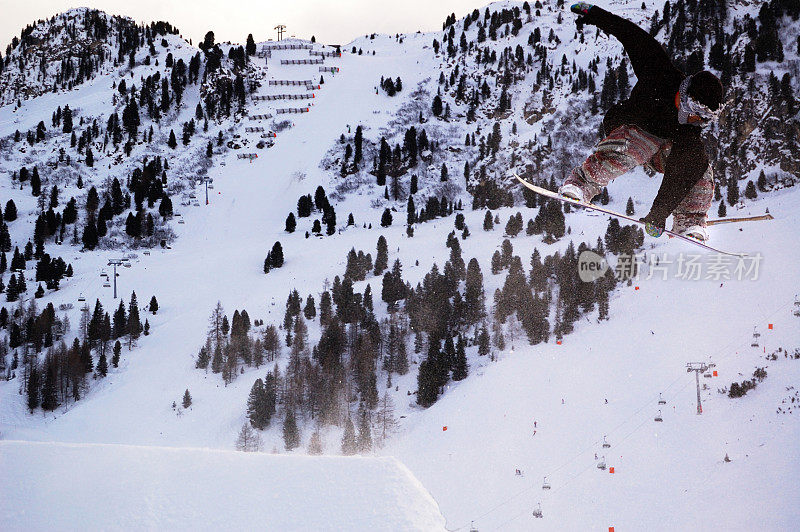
668,475
123,487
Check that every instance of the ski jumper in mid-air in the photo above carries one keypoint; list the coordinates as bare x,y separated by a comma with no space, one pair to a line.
659,126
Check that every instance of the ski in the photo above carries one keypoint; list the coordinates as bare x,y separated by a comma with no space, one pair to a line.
554,195
766,216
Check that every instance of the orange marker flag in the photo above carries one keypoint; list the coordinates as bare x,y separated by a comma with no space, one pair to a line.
611,470
444,428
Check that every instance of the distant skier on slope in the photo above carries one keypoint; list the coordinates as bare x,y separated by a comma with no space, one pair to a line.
659,126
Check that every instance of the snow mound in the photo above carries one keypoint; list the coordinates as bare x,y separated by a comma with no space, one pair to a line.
100,487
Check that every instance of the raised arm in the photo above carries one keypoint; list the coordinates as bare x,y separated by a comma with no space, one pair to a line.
649,60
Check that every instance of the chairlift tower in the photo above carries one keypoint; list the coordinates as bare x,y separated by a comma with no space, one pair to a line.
85,311
698,368
281,30
207,180
115,263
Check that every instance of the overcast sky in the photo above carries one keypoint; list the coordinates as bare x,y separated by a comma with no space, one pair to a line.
337,21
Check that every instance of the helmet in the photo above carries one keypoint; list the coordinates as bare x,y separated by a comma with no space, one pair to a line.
706,88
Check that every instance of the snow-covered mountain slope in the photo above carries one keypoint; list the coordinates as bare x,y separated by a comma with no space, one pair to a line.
156,488
666,475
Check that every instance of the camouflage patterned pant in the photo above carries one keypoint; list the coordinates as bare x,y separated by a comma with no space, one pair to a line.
624,149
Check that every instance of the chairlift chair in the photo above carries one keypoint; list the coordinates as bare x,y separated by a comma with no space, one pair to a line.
602,464
658,417
106,285
756,336
661,400
537,512
81,298
545,484
606,445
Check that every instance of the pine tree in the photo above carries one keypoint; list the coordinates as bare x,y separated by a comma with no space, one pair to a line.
257,406
762,182
364,441
483,341
460,367
733,191
750,191
216,360
10,213
33,387
291,434
153,305
117,351
427,389
36,182
291,223
102,365
488,221
382,257
50,388
722,211
134,325
386,218
90,237
203,358
250,46
437,105
315,444
310,310
187,399
349,445
277,255
629,207
120,321
172,142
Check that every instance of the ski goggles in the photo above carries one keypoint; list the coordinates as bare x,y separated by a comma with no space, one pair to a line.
691,111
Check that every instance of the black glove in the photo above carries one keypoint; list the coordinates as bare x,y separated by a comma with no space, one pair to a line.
584,12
